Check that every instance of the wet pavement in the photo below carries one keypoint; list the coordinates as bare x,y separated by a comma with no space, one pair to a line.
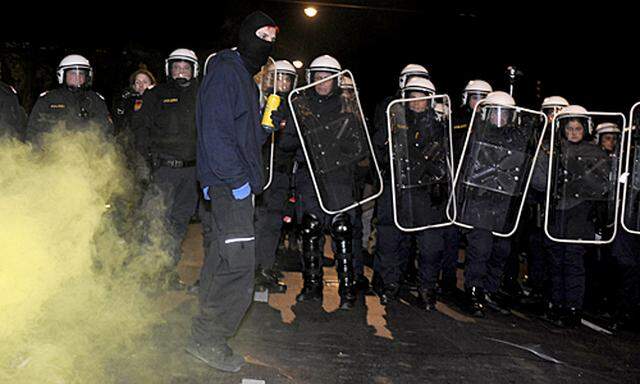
288,342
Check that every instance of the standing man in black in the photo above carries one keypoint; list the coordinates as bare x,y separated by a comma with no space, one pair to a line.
230,140
165,133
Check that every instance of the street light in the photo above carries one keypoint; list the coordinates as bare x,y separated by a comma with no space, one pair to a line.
298,64
310,11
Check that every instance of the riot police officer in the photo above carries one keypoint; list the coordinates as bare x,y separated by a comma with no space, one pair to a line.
165,133
474,91
423,145
326,105
574,212
279,79
487,196
72,106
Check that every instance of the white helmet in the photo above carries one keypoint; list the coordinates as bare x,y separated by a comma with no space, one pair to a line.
604,128
478,87
554,102
283,68
499,98
576,111
419,84
182,54
412,70
324,63
74,62
498,106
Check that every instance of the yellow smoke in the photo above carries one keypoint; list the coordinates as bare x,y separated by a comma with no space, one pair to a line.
73,270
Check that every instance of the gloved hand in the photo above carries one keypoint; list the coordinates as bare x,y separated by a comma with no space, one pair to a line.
205,193
242,192
277,116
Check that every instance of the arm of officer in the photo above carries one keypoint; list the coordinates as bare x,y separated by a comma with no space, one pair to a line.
39,120
221,110
141,122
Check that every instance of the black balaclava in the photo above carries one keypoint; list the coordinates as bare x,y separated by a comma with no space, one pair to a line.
254,50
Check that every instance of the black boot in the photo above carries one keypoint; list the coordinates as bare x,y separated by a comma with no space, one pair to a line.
475,297
427,299
571,317
553,313
362,285
264,280
311,259
388,293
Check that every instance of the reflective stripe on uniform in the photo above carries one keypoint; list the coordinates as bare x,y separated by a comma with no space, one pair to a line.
239,240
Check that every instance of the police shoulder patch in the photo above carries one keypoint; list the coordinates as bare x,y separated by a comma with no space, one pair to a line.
137,105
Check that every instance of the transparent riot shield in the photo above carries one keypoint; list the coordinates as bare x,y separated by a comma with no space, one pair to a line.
336,142
421,162
583,181
496,166
631,177
268,86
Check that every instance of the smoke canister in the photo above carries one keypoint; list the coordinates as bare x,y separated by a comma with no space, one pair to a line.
273,102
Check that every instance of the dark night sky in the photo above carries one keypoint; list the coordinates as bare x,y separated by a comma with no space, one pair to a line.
584,54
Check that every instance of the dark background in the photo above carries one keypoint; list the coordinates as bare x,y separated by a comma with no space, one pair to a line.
585,53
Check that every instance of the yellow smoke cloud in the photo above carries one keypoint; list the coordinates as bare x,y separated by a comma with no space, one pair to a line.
71,269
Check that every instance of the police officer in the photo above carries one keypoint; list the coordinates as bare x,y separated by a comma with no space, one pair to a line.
72,106
571,216
423,128
486,253
12,116
165,133
474,91
380,124
271,205
327,105
230,170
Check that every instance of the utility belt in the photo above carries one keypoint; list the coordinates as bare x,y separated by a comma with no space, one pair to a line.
157,162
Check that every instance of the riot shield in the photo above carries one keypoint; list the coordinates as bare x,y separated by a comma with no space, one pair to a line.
268,86
496,165
336,143
421,162
582,182
631,177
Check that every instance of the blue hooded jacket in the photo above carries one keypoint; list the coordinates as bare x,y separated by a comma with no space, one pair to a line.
230,136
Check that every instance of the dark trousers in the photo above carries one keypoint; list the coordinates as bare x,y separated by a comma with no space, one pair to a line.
486,255
270,208
452,239
567,273
393,247
178,189
226,279
626,250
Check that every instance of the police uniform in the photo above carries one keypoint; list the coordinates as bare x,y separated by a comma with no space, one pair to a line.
64,108
165,133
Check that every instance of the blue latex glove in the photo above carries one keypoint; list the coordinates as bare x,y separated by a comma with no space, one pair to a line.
205,193
242,192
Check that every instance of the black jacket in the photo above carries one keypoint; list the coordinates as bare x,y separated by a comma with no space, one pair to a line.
165,125
230,136
72,110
